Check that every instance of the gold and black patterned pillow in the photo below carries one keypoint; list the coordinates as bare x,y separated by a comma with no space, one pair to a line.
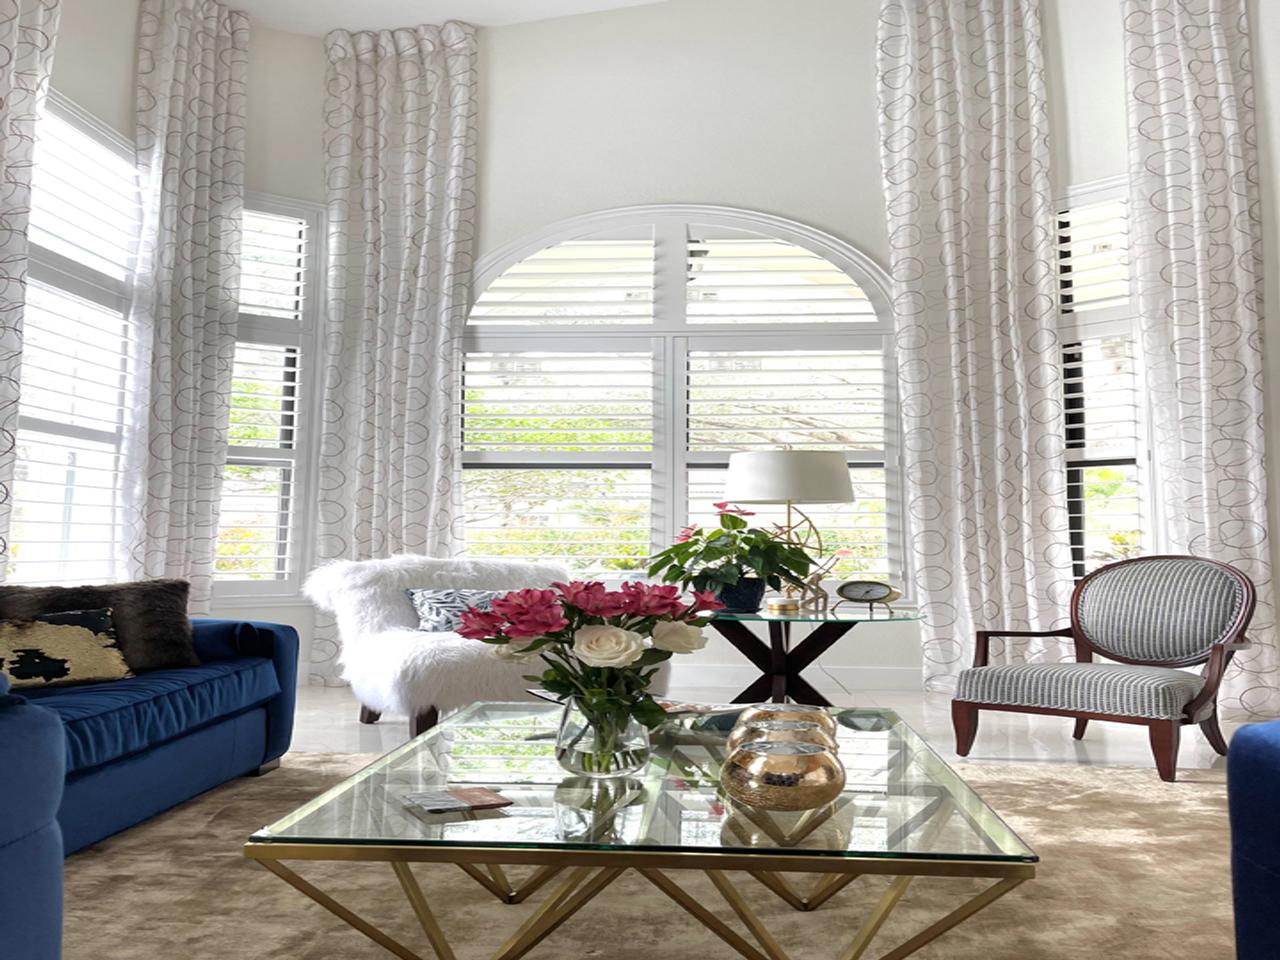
57,649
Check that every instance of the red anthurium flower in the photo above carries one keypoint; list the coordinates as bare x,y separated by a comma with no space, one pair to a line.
706,600
532,612
593,599
725,507
480,624
684,535
652,600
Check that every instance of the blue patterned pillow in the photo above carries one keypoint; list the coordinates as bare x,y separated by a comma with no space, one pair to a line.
440,611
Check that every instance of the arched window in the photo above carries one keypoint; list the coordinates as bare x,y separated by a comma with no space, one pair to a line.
614,361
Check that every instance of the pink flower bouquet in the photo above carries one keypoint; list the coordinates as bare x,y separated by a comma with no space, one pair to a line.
601,647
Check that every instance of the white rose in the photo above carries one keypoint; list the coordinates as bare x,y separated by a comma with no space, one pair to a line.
678,637
600,645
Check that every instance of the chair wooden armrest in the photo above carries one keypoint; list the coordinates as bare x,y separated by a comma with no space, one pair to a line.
1219,656
982,647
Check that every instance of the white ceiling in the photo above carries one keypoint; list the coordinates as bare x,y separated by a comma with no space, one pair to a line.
321,16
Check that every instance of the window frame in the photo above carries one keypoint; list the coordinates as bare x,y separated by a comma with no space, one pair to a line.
670,339
1119,320
304,335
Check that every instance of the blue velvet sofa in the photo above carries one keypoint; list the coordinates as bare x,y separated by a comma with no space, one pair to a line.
1253,789
32,769
138,746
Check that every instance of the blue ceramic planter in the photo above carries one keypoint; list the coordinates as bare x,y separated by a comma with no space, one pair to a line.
745,596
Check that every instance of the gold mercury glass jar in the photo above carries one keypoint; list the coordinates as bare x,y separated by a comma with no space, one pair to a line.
782,776
781,731
788,711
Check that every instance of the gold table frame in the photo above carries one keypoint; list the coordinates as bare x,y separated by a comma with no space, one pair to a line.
589,871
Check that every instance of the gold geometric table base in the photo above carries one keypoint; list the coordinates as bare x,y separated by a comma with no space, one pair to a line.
583,883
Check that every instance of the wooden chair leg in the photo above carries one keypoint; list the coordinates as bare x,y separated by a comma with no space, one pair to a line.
964,718
423,721
369,716
1081,725
1164,744
1213,733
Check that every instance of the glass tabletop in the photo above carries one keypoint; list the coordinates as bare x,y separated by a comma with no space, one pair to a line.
900,799
849,614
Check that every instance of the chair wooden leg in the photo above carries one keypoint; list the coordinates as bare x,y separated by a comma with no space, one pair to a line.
1213,733
964,718
1164,744
1081,725
423,721
369,716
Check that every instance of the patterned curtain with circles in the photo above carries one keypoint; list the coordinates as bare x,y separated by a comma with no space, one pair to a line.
400,154
192,66
1197,247
965,159
27,32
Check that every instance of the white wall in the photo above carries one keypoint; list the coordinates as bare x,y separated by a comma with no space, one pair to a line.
740,102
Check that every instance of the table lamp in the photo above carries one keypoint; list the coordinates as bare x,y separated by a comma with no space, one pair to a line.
790,477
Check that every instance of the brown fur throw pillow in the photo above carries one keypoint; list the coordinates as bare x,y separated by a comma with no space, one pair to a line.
150,616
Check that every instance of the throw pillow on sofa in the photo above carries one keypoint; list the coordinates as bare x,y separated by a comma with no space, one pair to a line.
439,611
150,616
78,646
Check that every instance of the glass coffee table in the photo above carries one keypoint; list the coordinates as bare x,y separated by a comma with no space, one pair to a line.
903,814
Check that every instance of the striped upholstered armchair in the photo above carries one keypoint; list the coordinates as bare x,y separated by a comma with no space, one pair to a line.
1150,616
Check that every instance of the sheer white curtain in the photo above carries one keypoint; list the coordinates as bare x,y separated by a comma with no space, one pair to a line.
27,32
192,66
965,157
400,153
1197,241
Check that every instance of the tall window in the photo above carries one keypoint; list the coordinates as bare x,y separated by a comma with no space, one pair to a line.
258,541
1105,468
76,364
610,372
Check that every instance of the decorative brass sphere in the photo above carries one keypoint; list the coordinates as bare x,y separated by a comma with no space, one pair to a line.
782,776
780,731
789,711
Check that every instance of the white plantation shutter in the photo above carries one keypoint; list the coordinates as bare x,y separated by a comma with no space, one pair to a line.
273,266
255,519
542,401
78,356
538,422
608,376
259,544
758,280
84,202
814,399
1093,261
1104,412
581,282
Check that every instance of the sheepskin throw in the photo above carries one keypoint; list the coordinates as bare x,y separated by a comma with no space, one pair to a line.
391,665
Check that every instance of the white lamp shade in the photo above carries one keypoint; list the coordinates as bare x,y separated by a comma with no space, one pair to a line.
776,476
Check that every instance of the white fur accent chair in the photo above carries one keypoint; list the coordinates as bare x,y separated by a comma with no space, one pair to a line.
395,668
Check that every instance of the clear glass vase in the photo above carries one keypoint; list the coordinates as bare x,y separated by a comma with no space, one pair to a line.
600,743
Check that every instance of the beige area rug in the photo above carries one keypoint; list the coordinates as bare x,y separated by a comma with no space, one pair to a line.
1131,868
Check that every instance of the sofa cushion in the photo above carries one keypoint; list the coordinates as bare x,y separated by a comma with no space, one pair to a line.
106,721
150,616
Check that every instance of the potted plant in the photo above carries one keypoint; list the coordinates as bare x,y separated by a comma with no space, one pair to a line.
601,648
735,561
